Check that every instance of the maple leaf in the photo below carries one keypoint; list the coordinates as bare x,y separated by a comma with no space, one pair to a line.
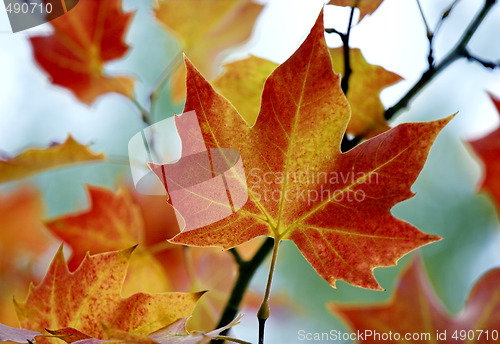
20,215
35,160
242,83
90,297
488,149
365,83
212,28
113,222
173,333
415,309
69,334
157,229
83,41
116,220
23,239
366,7
341,220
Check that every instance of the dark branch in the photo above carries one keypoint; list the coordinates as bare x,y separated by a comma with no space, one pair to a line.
236,256
458,52
347,59
486,64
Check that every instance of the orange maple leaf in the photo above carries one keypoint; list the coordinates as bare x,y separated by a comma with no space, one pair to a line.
112,222
488,149
174,333
365,83
115,221
22,233
366,7
414,310
84,39
36,160
212,28
23,239
335,206
90,297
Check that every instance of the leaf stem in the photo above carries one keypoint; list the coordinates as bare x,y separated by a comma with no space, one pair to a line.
263,313
145,114
245,273
160,247
460,51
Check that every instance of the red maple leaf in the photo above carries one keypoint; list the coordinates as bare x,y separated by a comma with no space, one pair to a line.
335,206
83,41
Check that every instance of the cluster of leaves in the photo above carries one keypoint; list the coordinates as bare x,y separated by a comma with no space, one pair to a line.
282,119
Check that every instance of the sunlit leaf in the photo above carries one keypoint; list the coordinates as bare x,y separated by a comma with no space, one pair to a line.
206,29
112,222
36,160
90,297
488,149
242,83
366,7
175,333
335,206
365,83
22,235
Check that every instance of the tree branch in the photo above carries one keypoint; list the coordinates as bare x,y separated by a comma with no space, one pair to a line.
430,36
458,52
346,143
486,64
236,255
347,59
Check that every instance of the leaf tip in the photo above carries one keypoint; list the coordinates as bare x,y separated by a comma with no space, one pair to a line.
199,294
128,251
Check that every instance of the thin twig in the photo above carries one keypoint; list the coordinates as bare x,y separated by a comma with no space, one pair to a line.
429,32
145,114
165,76
458,52
430,36
486,64
444,16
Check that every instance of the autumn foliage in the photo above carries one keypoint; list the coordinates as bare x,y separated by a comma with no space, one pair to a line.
301,151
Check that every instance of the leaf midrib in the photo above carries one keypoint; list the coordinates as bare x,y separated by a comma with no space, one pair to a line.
290,142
